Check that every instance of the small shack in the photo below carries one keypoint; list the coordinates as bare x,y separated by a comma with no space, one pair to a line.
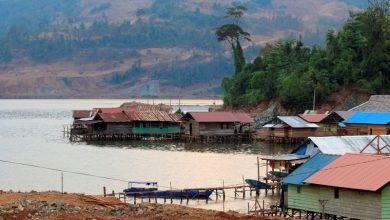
290,129
354,186
295,196
371,123
206,124
329,124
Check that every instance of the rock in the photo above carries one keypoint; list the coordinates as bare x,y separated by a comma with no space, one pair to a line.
20,208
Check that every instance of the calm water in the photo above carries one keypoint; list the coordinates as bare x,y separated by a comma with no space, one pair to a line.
31,132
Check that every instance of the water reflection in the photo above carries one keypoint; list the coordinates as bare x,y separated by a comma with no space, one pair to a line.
260,148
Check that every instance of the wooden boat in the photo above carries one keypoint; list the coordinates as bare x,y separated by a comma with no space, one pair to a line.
278,174
257,184
190,193
135,187
150,189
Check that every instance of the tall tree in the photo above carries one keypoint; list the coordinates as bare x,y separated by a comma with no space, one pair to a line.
234,34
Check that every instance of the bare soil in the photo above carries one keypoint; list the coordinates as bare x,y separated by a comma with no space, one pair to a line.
54,205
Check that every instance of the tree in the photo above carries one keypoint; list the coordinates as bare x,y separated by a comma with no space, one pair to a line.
234,34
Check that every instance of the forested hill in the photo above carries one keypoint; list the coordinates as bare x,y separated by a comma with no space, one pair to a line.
138,48
357,56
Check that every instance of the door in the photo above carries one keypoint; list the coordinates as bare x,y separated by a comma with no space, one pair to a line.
190,129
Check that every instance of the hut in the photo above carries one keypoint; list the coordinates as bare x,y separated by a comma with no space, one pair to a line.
295,182
290,128
78,114
354,186
371,123
339,145
115,123
197,124
329,124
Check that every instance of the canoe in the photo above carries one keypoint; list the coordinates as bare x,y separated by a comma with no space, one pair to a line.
175,194
257,184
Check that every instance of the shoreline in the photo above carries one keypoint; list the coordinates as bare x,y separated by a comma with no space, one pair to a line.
55,205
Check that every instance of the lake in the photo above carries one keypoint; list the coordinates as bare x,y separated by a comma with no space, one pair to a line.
31,133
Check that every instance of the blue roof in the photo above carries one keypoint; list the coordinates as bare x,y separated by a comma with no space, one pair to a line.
376,118
309,168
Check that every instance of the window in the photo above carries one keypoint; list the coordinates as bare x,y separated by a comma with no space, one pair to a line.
336,193
221,125
227,125
298,189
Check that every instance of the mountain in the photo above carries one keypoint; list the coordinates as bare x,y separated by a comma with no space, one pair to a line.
139,48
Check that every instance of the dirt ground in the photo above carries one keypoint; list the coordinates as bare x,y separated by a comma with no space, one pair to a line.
54,205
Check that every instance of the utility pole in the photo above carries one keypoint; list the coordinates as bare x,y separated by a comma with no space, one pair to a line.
323,203
314,100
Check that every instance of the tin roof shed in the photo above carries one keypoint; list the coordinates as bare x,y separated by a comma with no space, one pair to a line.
296,122
309,168
355,171
339,145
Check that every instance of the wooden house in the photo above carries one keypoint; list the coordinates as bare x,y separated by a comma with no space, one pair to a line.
215,123
354,186
328,124
295,181
368,123
291,127
154,122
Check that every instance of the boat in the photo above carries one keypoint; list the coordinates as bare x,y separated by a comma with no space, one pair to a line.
278,174
135,187
150,189
257,184
190,193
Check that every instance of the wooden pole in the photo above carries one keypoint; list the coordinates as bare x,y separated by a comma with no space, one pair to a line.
62,182
104,191
243,187
258,175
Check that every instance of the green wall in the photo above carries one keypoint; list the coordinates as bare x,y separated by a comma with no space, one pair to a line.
351,203
385,201
170,130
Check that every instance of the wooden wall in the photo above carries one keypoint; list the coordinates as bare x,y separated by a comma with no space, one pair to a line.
326,130
216,128
363,129
351,203
208,129
118,128
289,132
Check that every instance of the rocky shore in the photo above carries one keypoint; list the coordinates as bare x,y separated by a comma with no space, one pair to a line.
54,205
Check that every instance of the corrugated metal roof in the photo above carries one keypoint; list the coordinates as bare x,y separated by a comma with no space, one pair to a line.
377,103
81,113
313,118
191,108
296,122
309,168
221,117
142,108
377,118
339,145
108,110
243,118
117,117
355,171
150,116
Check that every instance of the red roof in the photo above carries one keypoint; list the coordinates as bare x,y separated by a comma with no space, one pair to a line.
114,117
313,118
109,110
355,171
221,117
142,108
81,113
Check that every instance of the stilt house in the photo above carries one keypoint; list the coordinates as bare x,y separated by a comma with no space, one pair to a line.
215,123
354,186
291,127
371,123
